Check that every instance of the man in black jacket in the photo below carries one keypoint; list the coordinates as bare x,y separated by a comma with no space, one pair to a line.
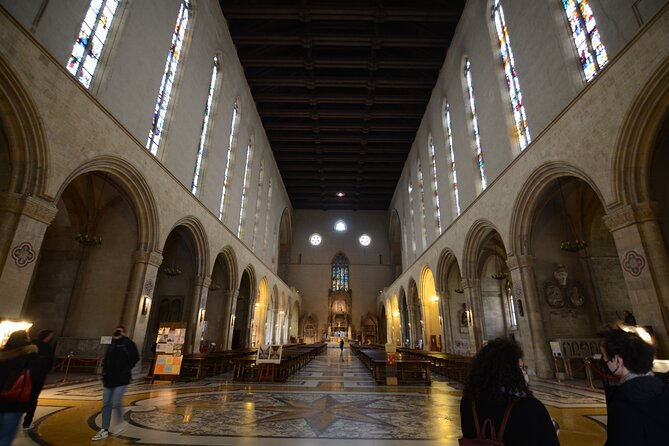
638,409
121,357
46,358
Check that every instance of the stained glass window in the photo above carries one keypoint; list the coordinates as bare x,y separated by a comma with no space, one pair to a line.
165,92
91,40
413,230
435,184
475,124
512,83
449,142
421,195
339,273
257,217
586,37
234,127
269,208
205,126
245,190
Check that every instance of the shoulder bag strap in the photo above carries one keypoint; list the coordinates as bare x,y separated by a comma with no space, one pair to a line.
480,433
506,418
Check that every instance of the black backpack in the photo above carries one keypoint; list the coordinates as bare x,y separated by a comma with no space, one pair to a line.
481,438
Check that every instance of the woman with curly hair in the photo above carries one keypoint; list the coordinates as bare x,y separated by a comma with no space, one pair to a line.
497,389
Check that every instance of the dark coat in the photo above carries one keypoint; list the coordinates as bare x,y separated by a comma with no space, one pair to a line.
12,362
529,423
121,357
638,412
46,360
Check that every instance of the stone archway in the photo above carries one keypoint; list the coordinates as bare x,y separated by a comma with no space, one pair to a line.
220,298
96,222
455,308
430,302
243,328
405,323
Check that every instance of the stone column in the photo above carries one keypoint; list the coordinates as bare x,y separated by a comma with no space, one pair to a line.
645,263
229,311
445,322
23,223
530,322
476,324
197,313
139,297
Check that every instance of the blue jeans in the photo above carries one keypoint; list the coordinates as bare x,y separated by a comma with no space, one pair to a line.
111,398
9,423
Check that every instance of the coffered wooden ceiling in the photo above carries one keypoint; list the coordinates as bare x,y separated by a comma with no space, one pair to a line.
341,87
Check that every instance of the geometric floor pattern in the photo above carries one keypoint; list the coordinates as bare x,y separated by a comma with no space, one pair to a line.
332,401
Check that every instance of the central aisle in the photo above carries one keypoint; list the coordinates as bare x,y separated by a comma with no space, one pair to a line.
332,401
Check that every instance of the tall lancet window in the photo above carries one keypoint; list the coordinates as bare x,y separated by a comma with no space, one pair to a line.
267,215
205,127
91,40
586,37
261,178
413,230
245,191
339,273
475,125
512,83
454,175
165,92
421,196
435,184
225,191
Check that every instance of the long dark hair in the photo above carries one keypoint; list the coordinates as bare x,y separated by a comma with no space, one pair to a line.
17,339
495,373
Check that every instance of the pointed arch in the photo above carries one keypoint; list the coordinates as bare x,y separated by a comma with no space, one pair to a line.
540,181
26,138
478,233
136,189
637,139
201,244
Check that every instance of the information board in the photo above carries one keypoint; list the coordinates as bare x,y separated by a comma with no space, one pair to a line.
169,348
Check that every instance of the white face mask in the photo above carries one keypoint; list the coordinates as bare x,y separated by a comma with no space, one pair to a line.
525,375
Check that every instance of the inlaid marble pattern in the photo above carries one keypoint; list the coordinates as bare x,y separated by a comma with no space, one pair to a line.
332,401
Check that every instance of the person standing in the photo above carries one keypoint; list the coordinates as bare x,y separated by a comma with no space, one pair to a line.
17,355
638,408
497,390
45,364
341,345
121,357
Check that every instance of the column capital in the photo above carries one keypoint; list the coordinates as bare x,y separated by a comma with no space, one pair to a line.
521,261
32,207
631,214
153,258
204,281
470,283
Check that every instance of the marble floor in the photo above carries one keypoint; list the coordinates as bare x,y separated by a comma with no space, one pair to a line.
332,401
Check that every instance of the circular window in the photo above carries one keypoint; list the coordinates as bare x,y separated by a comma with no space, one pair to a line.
340,226
315,239
365,240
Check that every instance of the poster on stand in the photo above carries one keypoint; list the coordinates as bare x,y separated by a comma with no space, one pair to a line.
269,354
169,348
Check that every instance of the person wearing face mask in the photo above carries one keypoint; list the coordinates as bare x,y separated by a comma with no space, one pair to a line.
638,408
121,357
497,389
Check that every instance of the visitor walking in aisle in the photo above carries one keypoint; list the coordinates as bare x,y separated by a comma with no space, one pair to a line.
18,361
45,364
121,357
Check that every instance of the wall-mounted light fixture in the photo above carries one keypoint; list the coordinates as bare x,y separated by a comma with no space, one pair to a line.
146,304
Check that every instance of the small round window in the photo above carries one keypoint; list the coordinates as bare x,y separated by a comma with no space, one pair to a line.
315,239
365,240
340,226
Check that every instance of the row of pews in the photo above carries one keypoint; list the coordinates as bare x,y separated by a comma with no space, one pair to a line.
410,370
454,367
243,363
